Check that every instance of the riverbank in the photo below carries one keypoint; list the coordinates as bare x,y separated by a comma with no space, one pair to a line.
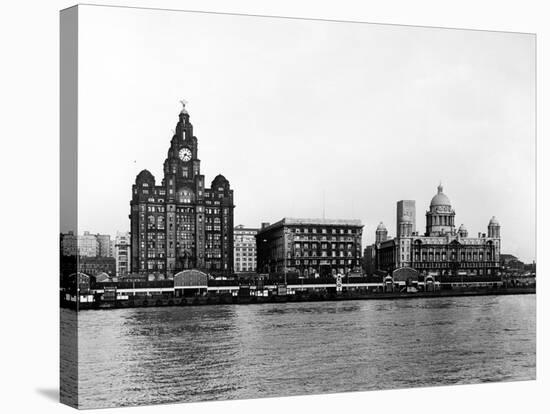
208,300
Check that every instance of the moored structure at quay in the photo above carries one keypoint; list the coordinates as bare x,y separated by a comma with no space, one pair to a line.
192,287
310,247
443,250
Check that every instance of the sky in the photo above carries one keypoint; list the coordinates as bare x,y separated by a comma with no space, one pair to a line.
306,117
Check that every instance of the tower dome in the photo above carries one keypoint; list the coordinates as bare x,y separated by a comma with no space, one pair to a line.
462,231
440,219
493,229
440,199
381,227
145,176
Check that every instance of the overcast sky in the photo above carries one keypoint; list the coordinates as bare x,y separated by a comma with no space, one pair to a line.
293,112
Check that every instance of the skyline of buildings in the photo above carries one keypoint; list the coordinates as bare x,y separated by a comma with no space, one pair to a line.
181,224
249,249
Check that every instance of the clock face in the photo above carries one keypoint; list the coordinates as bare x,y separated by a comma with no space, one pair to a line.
185,154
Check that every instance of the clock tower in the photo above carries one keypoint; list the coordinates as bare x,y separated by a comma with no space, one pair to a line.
182,162
180,224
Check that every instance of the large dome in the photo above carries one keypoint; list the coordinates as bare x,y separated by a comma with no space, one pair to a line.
440,199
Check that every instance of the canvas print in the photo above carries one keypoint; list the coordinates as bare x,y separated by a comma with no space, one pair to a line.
263,206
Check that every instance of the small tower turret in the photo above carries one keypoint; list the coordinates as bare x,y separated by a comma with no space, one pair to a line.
493,229
381,233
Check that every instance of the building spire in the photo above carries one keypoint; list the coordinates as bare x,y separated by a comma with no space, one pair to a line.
440,188
183,102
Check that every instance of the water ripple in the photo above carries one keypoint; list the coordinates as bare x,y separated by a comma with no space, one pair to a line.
160,355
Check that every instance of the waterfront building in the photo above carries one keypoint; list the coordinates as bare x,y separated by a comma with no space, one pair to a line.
443,249
88,245
105,245
244,242
69,244
94,266
369,262
310,247
122,253
181,223
406,217
510,261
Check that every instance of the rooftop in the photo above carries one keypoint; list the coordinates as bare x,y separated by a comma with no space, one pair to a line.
290,221
240,227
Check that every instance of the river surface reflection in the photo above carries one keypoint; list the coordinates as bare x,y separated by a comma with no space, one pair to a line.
176,354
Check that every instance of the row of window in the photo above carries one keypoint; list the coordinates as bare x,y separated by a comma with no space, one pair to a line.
314,230
244,243
443,257
324,246
323,254
321,262
324,238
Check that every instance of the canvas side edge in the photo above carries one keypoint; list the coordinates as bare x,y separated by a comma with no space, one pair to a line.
68,155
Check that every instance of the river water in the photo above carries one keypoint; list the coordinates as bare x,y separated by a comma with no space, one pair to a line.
177,354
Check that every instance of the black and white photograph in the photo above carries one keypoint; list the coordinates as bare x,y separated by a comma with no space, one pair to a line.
256,206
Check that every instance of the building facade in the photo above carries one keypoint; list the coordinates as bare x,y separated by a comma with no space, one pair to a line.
310,247
369,262
94,266
69,244
443,249
122,253
181,224
88,246
105,245
406,217
244,242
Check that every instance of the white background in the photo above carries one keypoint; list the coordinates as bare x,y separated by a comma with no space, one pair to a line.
29,235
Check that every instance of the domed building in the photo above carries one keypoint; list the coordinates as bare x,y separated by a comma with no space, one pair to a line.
440,219
181,224
442,250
